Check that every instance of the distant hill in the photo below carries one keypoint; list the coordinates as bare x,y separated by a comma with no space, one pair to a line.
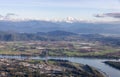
60,33
42,36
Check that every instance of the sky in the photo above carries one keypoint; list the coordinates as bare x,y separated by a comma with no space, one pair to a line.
94,10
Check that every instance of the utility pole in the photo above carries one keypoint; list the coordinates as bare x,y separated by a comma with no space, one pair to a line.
46,55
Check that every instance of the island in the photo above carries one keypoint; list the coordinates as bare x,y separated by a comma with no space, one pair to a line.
115,64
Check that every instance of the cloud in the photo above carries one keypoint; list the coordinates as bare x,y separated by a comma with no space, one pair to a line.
8,16
113,15
99,15
1,16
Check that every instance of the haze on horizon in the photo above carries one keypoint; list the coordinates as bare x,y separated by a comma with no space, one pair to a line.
92,10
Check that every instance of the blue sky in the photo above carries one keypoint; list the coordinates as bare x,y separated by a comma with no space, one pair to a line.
50,9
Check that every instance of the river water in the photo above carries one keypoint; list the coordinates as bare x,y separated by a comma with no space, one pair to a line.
97,63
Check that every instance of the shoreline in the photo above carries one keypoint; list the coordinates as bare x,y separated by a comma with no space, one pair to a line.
91,57
102,72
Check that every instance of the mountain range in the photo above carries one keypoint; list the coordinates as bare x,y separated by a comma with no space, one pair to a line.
33,26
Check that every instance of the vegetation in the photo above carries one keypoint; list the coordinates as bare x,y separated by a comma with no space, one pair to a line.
113,64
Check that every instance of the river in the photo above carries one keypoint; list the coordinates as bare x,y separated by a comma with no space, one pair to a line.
97,63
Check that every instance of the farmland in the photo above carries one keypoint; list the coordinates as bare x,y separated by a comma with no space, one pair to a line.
59,48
